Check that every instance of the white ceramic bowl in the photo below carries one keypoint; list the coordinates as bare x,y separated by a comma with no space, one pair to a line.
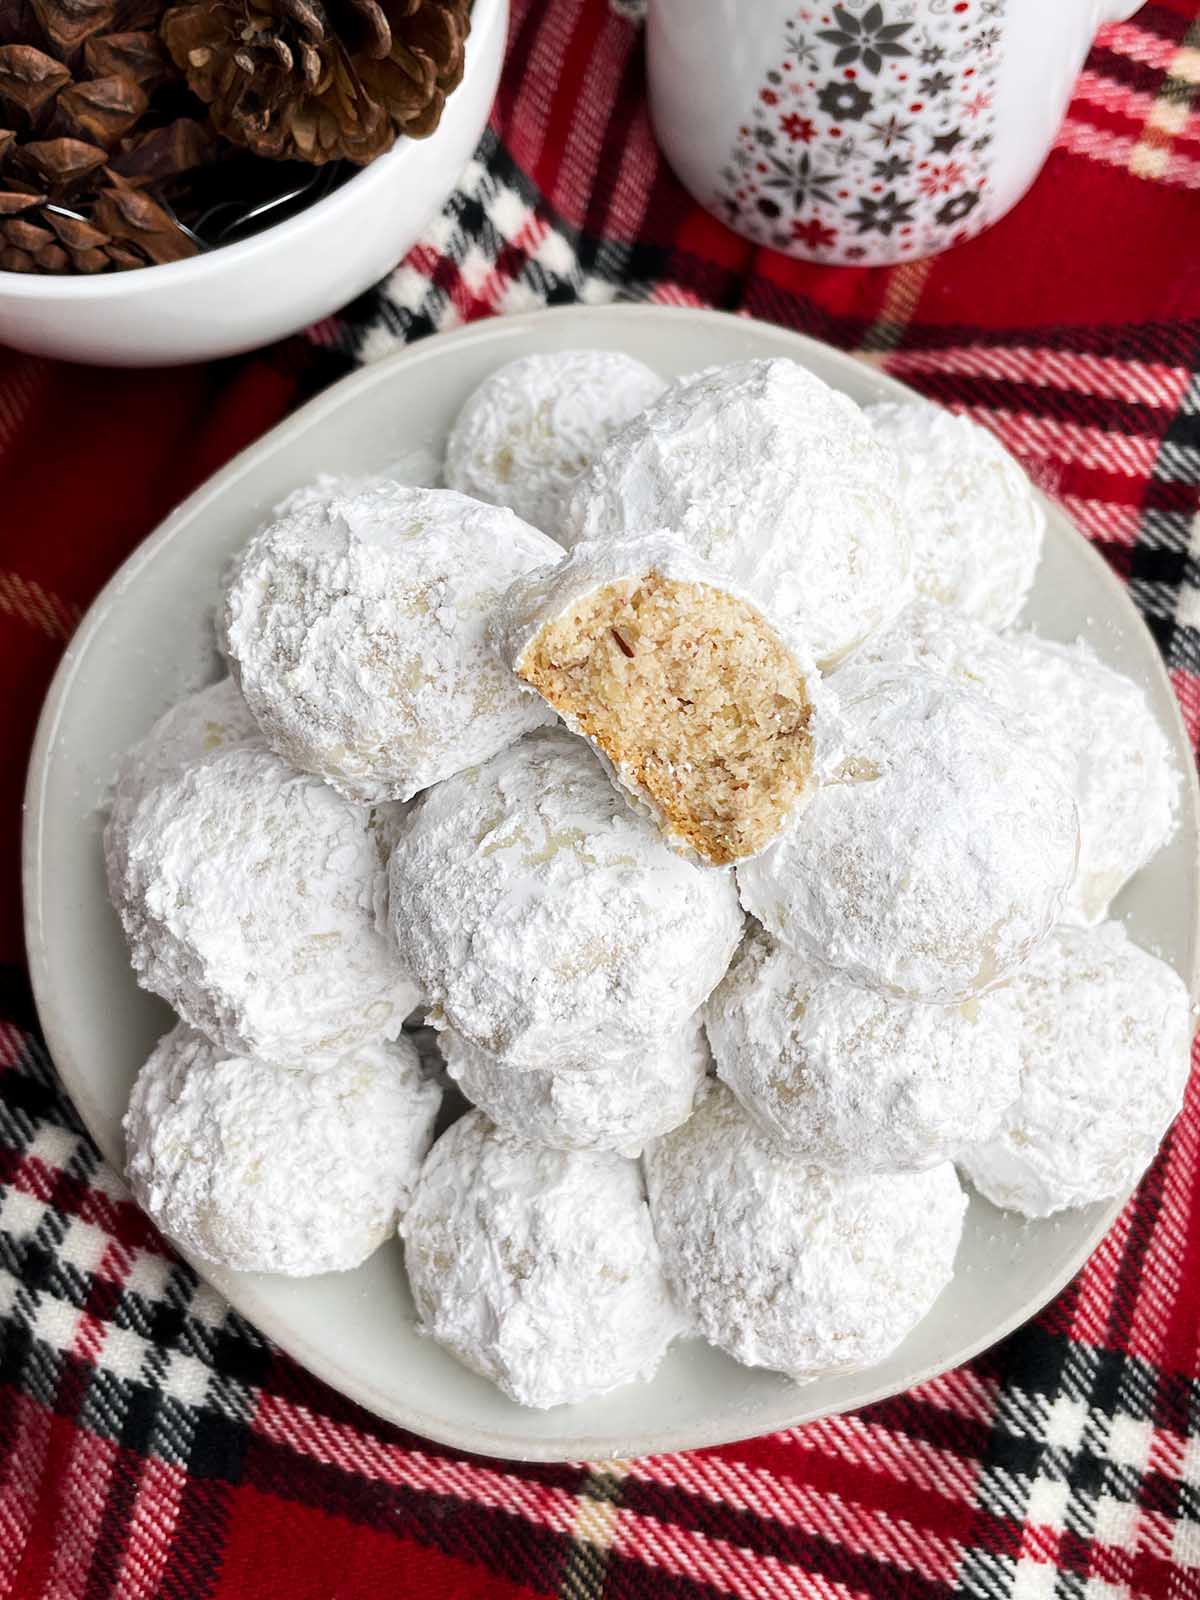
248,294
148,639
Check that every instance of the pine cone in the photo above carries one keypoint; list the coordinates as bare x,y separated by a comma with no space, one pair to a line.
77,143
293,79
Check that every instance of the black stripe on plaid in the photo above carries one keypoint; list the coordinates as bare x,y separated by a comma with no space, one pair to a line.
504,1542
1124,70
16,1000
1160,20
676,1507
1166,567
1149,342
585,1572
1105,413
920,1419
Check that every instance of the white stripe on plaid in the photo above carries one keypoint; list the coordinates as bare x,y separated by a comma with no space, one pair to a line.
1152,383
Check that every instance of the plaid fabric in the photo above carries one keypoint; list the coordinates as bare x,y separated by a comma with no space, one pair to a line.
151,1443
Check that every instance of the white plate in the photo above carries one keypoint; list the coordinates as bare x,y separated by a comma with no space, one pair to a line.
147,640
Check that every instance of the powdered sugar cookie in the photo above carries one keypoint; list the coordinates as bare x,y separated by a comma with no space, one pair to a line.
530,428
853,1079
212,719
787,1265
549,922
976,521
250,894
355,624
277,1169
1116,756
537,1268
614,1106
1105,1032
938,857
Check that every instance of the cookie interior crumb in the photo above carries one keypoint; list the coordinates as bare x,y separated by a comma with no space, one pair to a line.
691,693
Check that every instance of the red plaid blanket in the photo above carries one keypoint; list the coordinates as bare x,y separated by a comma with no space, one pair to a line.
151,1443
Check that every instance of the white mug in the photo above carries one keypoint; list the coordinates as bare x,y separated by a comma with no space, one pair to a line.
864,132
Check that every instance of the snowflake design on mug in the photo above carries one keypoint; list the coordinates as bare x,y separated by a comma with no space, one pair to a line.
869,139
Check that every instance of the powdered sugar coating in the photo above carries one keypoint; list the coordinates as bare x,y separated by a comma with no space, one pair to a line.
618,1105
355,624
938,858
212,719
530,428
547,920
1105,1032
537,1268
310,499
1118,758
977,523
249,894
544,594
850,1078
541,597
776,479
940,639
277,1169
788,1265
202,723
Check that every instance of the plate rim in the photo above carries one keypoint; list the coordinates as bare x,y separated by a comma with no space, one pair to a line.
242,1296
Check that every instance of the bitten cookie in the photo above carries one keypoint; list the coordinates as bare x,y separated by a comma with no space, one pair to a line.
699,704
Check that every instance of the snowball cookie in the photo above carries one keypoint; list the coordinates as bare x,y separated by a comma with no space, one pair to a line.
616,1106
211,719
536,423
700,705
776,479
940,639
1105,1033
355,625
550,922
537,1268
277,1169
853,1079
976,521
939,854
249,894
1118,758
788,1265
